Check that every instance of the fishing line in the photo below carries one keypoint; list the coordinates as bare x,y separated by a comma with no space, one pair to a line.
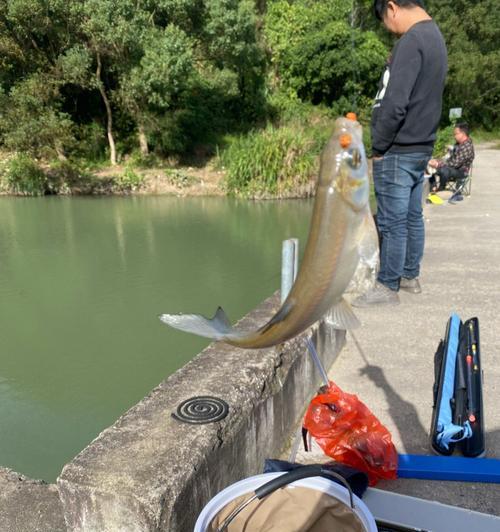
360,349
354,61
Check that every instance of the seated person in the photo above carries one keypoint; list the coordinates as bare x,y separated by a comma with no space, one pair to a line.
458,164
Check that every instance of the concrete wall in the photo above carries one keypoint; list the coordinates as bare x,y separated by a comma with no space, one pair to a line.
149,472
28,505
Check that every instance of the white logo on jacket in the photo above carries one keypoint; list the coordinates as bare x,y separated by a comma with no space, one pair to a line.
385,82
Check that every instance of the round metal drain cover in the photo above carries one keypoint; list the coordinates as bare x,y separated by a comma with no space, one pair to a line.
201,410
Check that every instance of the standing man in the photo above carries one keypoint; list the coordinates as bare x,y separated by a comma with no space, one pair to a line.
405,118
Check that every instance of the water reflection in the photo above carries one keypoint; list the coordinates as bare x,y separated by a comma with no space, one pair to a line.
82,281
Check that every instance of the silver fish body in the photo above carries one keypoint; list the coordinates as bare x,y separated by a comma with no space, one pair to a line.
341,235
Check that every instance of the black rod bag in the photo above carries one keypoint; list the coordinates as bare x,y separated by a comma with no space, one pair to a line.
457,419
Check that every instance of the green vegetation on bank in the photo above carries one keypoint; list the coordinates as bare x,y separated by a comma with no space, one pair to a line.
275,161
91,85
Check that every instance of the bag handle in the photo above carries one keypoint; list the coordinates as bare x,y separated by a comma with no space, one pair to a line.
283,480
298,474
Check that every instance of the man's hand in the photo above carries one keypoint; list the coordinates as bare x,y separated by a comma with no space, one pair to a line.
434,163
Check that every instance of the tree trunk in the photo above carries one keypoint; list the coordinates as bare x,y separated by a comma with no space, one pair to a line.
143,140
109,114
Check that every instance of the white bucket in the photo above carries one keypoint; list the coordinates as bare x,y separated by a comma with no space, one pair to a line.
249,485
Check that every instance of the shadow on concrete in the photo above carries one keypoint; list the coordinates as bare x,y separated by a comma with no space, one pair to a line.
414,436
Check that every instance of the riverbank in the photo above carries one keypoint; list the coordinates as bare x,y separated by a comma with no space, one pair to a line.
22,176
208,179
180,181
174,181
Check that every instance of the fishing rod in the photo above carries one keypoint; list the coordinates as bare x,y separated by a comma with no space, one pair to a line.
469,360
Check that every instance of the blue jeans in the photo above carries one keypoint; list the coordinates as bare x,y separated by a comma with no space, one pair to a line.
398,179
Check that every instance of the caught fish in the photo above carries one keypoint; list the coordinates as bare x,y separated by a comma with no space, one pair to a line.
342,237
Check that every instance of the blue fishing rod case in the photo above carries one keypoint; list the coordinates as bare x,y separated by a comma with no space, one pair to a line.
457,418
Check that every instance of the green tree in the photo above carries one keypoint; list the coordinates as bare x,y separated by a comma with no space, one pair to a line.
233,48
32,35
320,52
472,33
133,68
162,74
111,32
31,119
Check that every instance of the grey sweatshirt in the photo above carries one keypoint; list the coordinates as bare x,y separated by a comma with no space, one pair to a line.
408,105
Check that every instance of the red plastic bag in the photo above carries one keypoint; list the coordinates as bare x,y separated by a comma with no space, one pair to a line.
349,433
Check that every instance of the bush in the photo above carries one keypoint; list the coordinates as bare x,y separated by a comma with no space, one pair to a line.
483,135
129,181
444,138
91,142
285,106
272,161
140,160
180,179
279,161
23,176
66,177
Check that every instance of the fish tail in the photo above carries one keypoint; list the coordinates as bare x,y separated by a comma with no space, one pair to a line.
217,328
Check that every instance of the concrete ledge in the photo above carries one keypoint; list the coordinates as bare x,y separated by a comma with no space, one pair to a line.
28,505
149,472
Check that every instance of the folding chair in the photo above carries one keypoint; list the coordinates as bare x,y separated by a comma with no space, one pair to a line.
460,187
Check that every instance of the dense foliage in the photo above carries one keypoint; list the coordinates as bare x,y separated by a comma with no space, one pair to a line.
79,76
142,79
472,32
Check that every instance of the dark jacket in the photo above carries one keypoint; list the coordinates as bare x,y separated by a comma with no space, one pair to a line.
408,104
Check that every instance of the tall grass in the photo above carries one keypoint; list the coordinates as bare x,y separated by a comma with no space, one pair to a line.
482,135
273,161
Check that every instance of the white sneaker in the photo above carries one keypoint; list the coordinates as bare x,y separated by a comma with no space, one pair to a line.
379,295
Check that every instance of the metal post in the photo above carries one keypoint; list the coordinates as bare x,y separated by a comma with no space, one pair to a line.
289,265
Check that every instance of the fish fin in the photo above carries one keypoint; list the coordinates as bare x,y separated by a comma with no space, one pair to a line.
217,328
221,319
341,316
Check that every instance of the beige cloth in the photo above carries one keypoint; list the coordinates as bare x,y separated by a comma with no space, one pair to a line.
291,509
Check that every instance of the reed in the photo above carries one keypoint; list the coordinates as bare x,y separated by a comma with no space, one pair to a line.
273,162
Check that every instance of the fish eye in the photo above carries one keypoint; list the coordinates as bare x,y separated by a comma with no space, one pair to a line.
354,158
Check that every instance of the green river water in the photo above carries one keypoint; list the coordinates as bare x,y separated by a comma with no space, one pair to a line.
82,281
